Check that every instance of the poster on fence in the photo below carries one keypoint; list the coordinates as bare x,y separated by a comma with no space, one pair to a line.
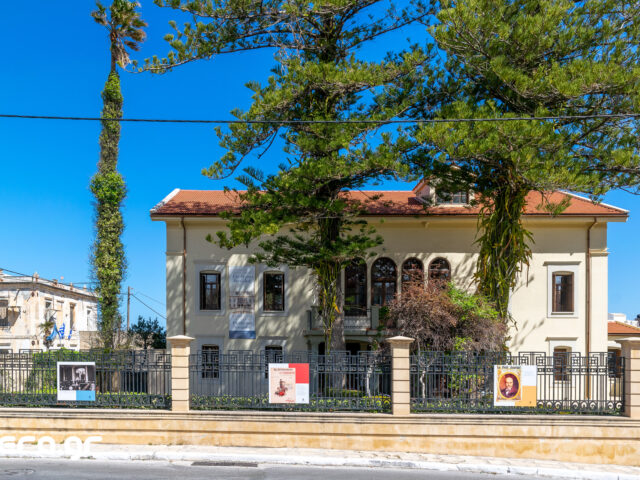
288,383
77,381
514,385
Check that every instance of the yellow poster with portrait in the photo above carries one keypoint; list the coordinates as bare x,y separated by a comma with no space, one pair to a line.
514,385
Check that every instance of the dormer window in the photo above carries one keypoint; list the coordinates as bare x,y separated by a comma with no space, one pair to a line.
458,198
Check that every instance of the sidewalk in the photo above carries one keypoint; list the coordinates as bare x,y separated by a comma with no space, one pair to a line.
334,458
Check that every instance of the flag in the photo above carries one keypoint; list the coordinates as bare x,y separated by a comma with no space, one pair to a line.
70,332
53,334
61,332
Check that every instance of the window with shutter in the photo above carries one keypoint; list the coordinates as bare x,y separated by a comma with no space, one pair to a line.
4,313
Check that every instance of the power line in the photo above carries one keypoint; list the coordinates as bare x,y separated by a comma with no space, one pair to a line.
15,273
311,122
154,311
150,298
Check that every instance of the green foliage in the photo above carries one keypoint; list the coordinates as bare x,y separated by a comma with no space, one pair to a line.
147,333
47,397
470,305
376,403
527,58
107,185
445,318
302,215
42,377
125,29
504,246
46,328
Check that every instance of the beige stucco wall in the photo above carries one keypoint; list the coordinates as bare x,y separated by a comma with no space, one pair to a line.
560,243
575,438
563,247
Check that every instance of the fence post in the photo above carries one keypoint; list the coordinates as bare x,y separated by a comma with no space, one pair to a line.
631,354
180,350
400,380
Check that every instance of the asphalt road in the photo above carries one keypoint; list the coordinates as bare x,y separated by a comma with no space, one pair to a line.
32,469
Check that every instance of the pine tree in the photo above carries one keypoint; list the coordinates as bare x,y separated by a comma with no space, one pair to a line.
302,215
528,58
125,26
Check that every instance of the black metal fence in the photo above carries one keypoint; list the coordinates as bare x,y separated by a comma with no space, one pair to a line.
123,379
239,380
566,383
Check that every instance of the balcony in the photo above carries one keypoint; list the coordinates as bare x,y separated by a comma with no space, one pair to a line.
359,324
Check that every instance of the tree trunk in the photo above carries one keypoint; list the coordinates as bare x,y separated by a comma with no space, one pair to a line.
504,243
108,188
328,276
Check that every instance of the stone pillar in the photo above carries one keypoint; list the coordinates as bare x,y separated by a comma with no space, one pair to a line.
180,350
400,363
631,354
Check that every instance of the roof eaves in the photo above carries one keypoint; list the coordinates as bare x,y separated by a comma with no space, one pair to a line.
164,201
580,197
633,328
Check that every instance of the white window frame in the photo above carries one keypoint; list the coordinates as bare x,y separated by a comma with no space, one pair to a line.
284,269
73,307
556,268
442,202
220,268
562,343
90,319
273,342
206,340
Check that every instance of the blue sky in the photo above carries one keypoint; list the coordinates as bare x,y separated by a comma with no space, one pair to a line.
55,62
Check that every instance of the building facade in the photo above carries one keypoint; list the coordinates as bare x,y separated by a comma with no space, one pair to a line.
226,304
27,303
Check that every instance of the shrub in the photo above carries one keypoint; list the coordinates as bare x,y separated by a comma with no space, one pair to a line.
445,318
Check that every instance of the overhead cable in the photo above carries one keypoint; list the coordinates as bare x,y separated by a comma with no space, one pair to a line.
319,122
154,311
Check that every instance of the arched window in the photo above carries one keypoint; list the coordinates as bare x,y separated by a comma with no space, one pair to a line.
355,289
384,280
412,272
440,270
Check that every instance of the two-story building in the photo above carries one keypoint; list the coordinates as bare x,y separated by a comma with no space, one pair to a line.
28,303
216,296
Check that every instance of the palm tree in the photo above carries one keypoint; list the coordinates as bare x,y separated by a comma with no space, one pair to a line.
125,29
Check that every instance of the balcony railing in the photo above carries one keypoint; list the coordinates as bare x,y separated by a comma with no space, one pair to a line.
368,322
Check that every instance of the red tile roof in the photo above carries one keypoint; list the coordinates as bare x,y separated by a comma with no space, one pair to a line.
619,328
376,203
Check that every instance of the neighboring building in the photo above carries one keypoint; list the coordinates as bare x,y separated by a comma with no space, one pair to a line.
617,330
27,302
622,318
215,296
